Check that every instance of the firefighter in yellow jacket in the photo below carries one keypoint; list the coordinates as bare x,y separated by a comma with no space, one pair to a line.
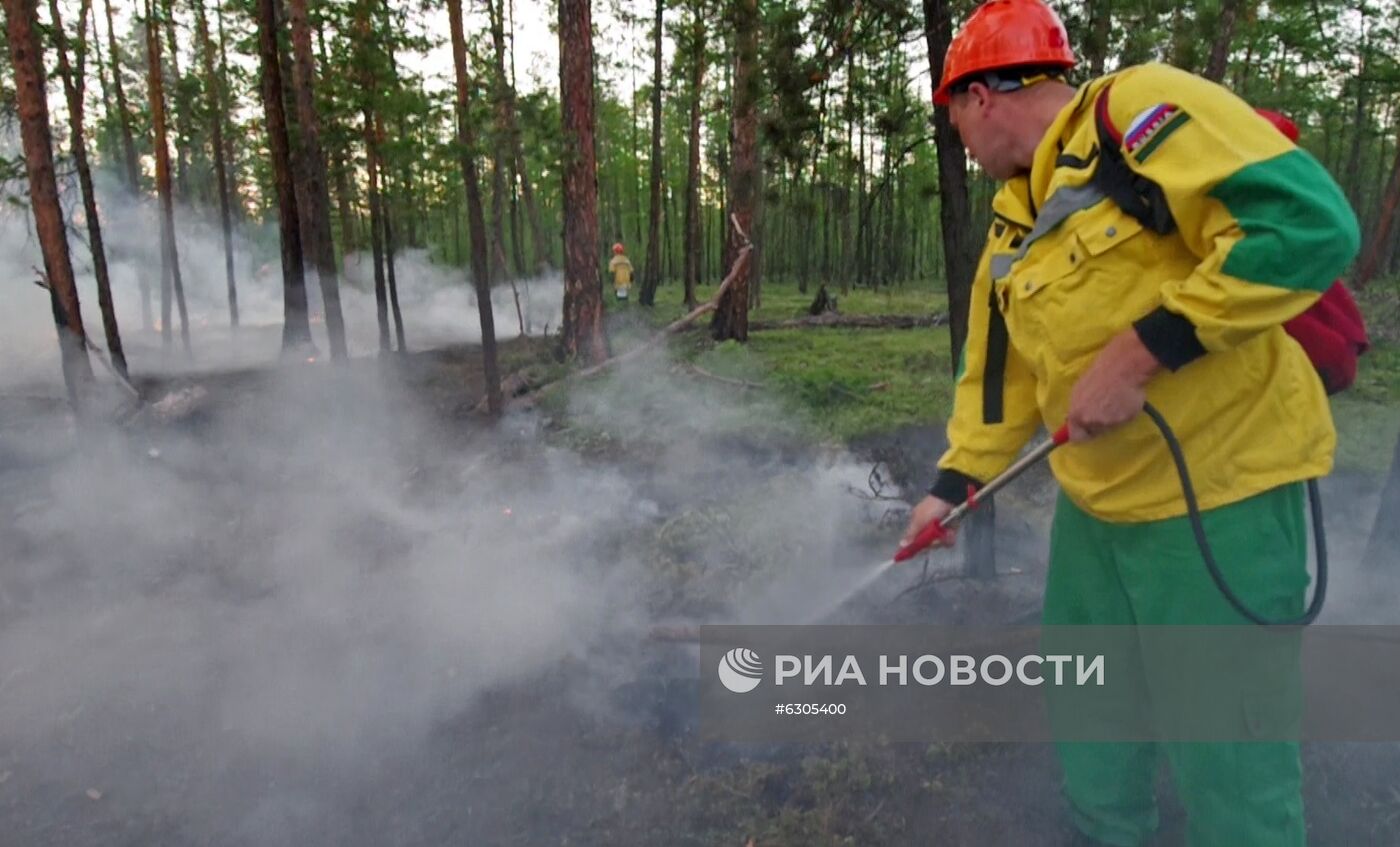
621,269
1150,237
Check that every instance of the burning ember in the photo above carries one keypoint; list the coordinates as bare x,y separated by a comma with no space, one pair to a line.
311,360
507,511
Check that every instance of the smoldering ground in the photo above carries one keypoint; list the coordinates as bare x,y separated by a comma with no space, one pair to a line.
318,610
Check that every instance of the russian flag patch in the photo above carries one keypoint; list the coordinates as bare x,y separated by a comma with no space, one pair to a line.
1151,127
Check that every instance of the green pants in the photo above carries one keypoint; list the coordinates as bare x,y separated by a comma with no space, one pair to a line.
1235,794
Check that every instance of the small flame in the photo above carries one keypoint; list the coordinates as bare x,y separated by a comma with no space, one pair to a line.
311,360
507,511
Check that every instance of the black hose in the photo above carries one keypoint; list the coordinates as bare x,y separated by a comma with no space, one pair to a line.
1193,511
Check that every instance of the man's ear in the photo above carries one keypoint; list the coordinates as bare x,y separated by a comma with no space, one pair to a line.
979,96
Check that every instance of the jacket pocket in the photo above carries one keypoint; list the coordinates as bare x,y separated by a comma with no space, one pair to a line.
1070,291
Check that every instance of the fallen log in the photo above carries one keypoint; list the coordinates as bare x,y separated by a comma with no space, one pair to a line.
838,321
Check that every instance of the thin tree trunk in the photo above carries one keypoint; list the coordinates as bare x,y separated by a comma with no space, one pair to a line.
500,151
181,107
1353,169
218,114
480,263
731,320
651,271
1224,34
230,159
694,242
584,336
108,143
132,174
170,253
349,238
511,129
391,275
1372,258
960,261
73,86
376,231
1100,24
366,46
296,326
27,60
133,178
386,215
314,175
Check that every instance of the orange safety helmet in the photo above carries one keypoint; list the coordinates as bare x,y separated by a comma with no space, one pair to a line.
1004,34
617,248
1281,123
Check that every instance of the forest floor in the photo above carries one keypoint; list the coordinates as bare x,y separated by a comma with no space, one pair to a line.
659,493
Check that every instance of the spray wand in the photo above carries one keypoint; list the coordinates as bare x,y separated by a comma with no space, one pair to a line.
933,532
938,529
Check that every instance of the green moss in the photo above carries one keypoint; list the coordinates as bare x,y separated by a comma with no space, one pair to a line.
851,382
1368,415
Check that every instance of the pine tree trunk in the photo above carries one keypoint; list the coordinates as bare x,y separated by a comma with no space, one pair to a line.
1095,51
500,151
583,337
133,178
296,326
108,145
170,280
651,271
181,107
376,231
314,176
476,222
386,215
955,216
349,237
731,320
131,172
218,115
959,261
508,125
392,277
694,241
73,89
1353,169
230,160
1371,260
1224,33
27,60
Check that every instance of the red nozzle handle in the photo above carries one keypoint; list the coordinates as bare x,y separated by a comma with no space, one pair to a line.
1061,435
932,532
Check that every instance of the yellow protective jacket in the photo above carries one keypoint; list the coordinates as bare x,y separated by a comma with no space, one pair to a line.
621,268
1260,230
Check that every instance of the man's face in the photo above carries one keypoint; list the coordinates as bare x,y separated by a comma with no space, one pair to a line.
978,115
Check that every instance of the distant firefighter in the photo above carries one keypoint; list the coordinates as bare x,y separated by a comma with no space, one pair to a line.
621,269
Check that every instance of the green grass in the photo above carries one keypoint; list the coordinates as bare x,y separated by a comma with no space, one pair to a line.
846,383
1368,415
838,384
782,300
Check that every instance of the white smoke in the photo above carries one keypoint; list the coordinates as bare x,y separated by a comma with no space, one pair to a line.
438,303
